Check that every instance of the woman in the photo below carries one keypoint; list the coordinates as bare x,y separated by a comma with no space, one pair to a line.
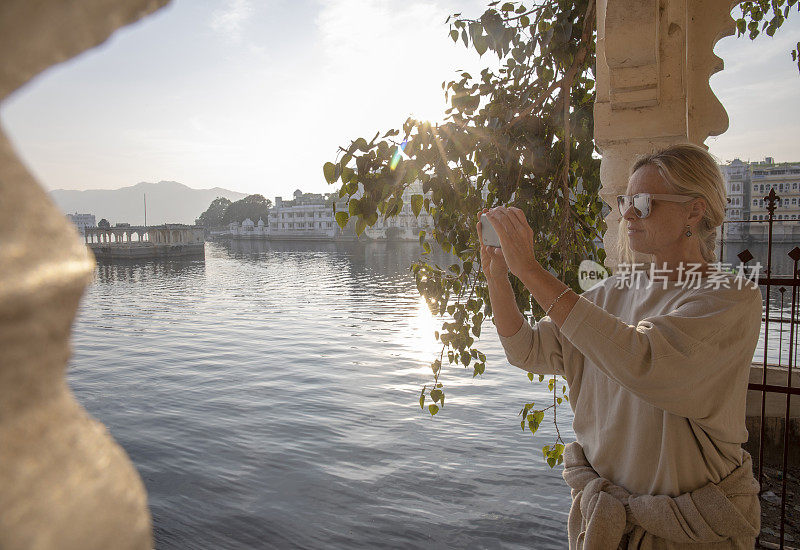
657,372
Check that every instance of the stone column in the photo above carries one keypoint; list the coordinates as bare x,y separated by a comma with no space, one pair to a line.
64,482
654,59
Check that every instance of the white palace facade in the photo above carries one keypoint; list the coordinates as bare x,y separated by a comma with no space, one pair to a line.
311,216
748,184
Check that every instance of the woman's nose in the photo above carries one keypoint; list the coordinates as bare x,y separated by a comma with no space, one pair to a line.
629,213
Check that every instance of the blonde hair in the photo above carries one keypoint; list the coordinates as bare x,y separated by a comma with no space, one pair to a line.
689,170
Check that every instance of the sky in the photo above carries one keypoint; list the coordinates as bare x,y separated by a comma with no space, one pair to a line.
254,95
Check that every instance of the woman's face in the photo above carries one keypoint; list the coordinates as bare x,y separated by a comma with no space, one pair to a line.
666,224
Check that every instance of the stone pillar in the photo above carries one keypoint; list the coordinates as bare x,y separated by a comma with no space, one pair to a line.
64,482
654,59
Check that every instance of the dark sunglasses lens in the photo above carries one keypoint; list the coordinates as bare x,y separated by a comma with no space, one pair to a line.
641,206
622,204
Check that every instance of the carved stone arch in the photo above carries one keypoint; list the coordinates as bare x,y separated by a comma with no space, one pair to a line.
654,60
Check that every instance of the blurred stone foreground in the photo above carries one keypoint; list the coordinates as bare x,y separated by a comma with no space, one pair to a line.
64,482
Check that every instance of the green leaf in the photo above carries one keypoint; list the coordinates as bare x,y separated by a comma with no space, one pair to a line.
361,224
508,6
433,409
353,207
422,399
362,144
530,376
342,218
329,169
454,35
416,204
551,462
347,174
465,102
481,44
475,30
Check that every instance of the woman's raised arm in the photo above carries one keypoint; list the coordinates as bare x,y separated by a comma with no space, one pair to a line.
535,349
680,361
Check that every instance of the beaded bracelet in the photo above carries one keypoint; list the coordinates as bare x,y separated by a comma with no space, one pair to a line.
554,301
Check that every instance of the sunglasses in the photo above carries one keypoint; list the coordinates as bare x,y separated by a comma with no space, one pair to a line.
642,202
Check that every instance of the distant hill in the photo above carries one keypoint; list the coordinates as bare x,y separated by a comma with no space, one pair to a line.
167,202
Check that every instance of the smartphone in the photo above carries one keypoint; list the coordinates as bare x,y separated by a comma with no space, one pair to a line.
490,237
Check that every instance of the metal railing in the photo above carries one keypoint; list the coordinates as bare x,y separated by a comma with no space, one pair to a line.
781,280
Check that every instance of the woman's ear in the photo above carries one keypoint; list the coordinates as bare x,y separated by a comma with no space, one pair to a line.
698,210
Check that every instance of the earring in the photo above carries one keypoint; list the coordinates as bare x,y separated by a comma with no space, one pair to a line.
688,231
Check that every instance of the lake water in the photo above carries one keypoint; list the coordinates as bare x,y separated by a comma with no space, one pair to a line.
269,399
268,396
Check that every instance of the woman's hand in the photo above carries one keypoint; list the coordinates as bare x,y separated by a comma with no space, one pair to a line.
516,240
493,264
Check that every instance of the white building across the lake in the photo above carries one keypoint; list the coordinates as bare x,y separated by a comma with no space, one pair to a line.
311,216
82,221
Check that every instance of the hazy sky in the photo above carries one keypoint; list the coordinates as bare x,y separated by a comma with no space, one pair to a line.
255,96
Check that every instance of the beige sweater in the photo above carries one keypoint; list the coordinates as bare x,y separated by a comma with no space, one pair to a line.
657,378
605,516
